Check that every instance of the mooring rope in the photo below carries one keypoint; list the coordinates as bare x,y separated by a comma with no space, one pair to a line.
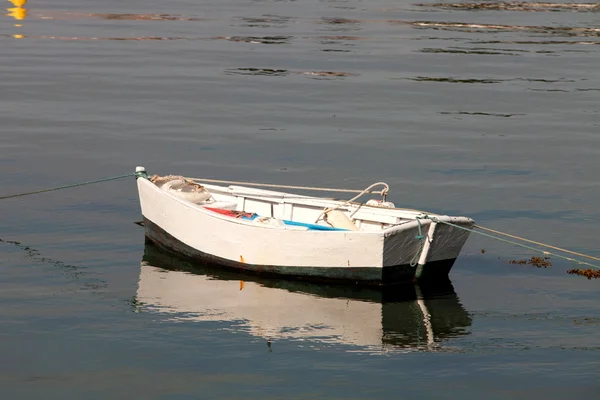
272,185
68,186
434,219
537,243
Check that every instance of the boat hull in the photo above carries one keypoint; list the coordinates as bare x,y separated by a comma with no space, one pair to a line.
383,257
367,276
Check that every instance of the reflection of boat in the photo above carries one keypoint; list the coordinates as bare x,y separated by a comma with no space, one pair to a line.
371,319
305,237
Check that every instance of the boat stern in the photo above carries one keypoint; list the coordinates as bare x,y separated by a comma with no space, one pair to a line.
427,247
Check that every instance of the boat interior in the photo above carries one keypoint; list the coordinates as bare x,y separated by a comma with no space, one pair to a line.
289,210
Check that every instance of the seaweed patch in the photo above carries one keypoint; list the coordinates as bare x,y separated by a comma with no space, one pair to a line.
588,273
535,261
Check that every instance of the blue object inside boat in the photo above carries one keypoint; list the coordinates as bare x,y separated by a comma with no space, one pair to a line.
314,227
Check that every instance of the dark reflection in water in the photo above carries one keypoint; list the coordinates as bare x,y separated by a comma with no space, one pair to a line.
480,113
84,38
453,80
266,21
258,39
35,255
257,71
336,50
547,90
339,21
341,38
515,6
341,4
72,271
535,42
343,42
492,51
52,15
285,72
144,17
326,74
542,80
483,28
400,318
468,80
340,24
478,51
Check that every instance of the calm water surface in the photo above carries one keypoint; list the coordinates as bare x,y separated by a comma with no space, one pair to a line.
489,111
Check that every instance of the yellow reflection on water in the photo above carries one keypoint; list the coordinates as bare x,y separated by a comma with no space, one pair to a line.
18,12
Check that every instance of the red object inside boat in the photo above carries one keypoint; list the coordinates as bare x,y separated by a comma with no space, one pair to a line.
231,213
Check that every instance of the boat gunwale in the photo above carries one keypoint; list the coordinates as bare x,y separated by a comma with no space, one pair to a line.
390,231
250,223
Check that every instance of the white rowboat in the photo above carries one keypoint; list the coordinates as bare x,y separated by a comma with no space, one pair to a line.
297,236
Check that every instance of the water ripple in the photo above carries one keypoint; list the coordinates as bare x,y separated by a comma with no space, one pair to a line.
74,272
478,51
49,15
285,72
479,113
483,28
515,6
536,42
452,80
258,39
90,38
266,21
340,24
257,71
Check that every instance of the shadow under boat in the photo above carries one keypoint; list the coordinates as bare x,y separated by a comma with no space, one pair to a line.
410,316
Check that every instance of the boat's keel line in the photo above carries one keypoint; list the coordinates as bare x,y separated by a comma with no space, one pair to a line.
358,275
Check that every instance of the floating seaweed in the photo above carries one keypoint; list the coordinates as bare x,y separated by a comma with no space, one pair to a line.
588,273
535,261
587,320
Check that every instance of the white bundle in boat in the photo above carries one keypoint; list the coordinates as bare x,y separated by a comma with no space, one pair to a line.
269,222
380,203
338,219
183,188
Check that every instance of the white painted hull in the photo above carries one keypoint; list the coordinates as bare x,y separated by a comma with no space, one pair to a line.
381,251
